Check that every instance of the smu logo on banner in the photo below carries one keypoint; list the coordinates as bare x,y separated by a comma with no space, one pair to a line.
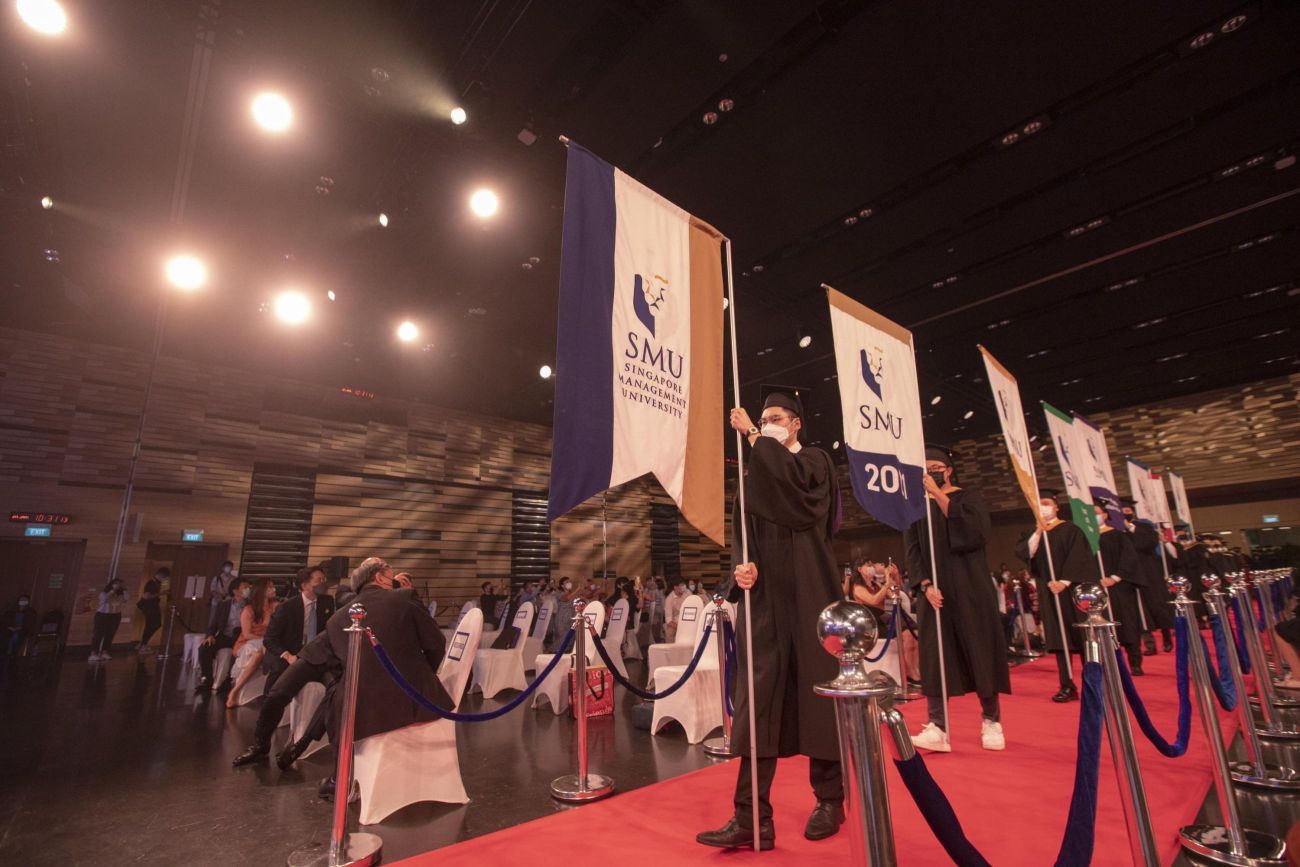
881,405
646,300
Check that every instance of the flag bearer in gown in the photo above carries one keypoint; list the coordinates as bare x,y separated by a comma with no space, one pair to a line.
1122,572
1072,563
974,646
1152,590
791,504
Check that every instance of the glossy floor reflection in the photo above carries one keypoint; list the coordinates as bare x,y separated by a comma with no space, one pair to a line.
119,763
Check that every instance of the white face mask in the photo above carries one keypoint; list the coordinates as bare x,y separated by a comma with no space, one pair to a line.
776,432
1047,512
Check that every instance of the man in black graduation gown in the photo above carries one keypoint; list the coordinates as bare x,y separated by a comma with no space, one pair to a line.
1193,563
1122,573
1152,591
974,645
1072,563
791,503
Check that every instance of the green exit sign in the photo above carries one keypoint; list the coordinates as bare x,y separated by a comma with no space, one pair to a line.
191,535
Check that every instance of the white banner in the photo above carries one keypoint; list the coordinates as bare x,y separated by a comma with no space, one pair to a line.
1139,483
1160,501
1181,505
1006,395
1096,468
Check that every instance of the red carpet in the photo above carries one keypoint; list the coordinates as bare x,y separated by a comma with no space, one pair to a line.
1012,805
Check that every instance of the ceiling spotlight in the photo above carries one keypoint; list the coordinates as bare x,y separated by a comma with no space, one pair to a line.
805,340
458,115
330,295
47,202
725,302
383,220
969,413
43,16
934,401
406,332
484,203
545,372
835,445
272,112
292,307
186,272
710,118
726,104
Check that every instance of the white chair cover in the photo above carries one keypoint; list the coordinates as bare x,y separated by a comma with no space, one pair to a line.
678,651
419,762
433,607
257,683
190,656
221,665
464,609
499,670
300,712
555,688
533,643
697,705
613,639
631,644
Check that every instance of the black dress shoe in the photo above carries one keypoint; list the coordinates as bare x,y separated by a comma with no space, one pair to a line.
1149,650
733,836
202,686
1067,693
1169,646
825,820
251,755
1136,670
290,754
225,687
326,789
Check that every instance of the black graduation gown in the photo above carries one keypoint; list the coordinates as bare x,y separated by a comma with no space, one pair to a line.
1119,558
1154,593
974,643
1073,561
790,501
1193,563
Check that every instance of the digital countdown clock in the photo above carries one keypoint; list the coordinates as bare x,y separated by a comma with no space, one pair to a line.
39,518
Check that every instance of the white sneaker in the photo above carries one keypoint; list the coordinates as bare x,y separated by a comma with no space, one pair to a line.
932,738
103,657
991,736
94,657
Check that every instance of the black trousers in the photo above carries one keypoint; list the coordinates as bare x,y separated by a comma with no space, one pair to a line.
825,776
152,622
1063,667
288,684
273,667
208,652
990,709
105,628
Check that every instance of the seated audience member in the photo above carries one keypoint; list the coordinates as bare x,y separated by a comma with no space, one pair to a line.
19,624
413,643
223,630
297,620
108,616
314,663
673,609
866,586
253,622
487,602
1288,630
221,586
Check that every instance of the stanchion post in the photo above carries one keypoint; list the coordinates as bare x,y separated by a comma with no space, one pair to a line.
581,787
721,747
167,640
357,849
1266,696
1263,587
1028,652
1255,771
1228,843
905,693
848,631
1099,647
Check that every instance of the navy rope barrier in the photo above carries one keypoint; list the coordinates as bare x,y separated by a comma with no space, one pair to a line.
1275,588
1220,675
889,636
1179,746
414,694
908,623
938,813
646,694
1080,824
1239,635
729,636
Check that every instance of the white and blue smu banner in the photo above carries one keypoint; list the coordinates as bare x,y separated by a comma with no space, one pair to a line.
881,405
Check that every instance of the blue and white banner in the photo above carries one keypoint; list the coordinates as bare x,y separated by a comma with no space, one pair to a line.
881,404
1141,488
1096,469
638,373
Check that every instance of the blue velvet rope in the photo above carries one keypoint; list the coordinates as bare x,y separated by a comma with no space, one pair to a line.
1081,823
938,813
1259,613
1179,746
908,623
1275,588
889,636
414,694
1220,674
1239,635
729,636
655,696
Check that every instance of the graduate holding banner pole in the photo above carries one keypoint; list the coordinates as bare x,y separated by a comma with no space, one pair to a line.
908,486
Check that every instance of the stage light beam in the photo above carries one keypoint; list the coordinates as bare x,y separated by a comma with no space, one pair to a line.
292,307
43,16
272,112
407,331
186,272
484,203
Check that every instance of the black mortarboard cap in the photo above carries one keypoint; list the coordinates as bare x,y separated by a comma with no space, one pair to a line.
785,402
942,454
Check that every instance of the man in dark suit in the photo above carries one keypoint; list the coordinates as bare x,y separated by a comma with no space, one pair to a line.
314,663
295,622
223,629
413,642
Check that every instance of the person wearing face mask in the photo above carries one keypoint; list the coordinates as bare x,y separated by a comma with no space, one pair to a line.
1072,563
108,616
673,608
1122,571
973,646
299,619
223,629
1193,562
1152,593
791,512
249,650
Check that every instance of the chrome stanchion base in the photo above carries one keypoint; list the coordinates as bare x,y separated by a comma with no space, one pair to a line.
1027,654
1280,700
1274,777
570,788
718,748
905,694
1281,733
363,850
1211,842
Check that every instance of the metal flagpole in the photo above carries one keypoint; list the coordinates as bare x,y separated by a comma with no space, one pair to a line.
1056,599
744,547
